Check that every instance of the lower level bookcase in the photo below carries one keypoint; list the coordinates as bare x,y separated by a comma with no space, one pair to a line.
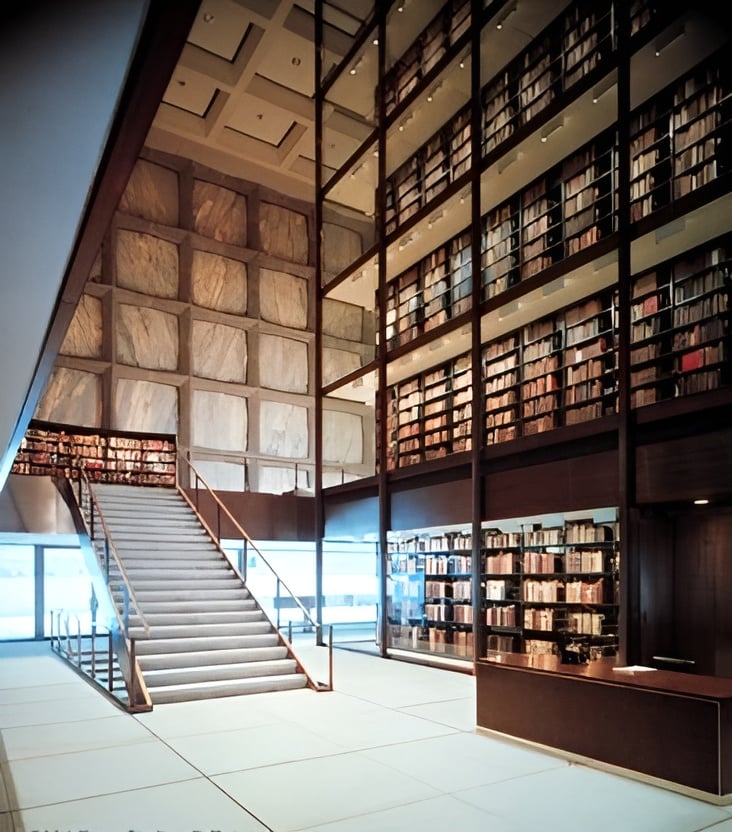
549,585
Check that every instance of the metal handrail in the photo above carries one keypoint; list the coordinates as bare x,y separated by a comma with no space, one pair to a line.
110,548
221,507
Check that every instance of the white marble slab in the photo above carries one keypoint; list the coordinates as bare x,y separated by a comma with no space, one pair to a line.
221,476
342,320
145,406
84,335
219,421
342,437
146,337
152,193
219,283
147,264
219,213
71,397
338,363
283,299
283,233
283,364
283,430
219,352
341,247
273,479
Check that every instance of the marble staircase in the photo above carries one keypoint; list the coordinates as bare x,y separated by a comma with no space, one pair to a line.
208,636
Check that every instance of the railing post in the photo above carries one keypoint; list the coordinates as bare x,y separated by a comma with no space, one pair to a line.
330,656
110,663
78,642
106,558
133,675
245,554
277,603
126,610
218,522
289,631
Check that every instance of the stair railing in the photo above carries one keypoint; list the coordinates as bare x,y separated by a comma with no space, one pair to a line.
198,485
123,643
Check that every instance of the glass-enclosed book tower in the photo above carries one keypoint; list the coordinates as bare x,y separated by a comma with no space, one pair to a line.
525,238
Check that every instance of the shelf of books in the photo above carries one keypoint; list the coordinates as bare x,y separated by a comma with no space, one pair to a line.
681,138
680,336
430,415
550,588
107,456
560,370
429,592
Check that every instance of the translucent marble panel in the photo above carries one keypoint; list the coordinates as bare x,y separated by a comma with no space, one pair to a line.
283,298
219,283
152,193
84,335
274,480
72,397
342,437
219,421
342,320
219,213
147,264
338,363
147,338
219,352
331,478
283,364
341,247
283,430
221,476
284,233
145,406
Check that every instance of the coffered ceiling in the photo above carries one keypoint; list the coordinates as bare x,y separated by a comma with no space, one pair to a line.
241,98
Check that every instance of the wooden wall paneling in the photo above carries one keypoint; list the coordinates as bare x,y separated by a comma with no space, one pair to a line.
441,503
650,534
353,516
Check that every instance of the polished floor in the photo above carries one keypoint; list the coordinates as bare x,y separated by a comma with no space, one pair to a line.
393,749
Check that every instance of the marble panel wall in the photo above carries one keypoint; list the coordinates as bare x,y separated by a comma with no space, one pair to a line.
342,320
84,335
284,233
339,363
283,364
342,437
283,430
147,337
218,352
283,299
72,397
341,247
219,283
219,421
219,213
152,193
223,476
147,264
275,480
145,406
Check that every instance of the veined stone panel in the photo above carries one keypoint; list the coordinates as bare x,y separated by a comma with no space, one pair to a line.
219,421
342,437
283,364
219,283
147,264
152,193
84,335
342,320
283,430
338,363
276,480
147,338
284,233
219,213
219,352
283,299
341,247
71,397
145,406
221,476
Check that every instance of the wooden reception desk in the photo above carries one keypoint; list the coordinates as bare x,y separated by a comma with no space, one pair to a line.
673,726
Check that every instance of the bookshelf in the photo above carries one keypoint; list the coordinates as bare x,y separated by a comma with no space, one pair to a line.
108,456
430,603
680,336
543,585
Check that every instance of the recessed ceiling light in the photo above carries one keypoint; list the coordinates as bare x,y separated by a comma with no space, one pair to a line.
208,17
702,501
296,61
181,82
